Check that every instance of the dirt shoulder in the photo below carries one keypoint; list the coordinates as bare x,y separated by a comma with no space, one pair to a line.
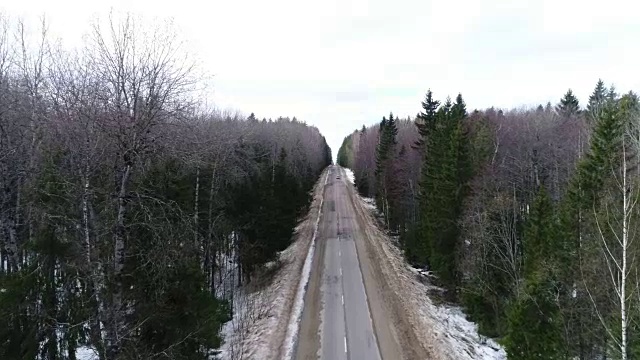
401,331
310,323
262,315
299,251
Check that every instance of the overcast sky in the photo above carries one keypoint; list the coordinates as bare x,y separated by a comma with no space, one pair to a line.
338,64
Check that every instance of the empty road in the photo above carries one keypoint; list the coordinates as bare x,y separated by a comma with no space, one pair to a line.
336,321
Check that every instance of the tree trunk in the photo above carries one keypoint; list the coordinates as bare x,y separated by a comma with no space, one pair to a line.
210,249
116,319
625,244
195,208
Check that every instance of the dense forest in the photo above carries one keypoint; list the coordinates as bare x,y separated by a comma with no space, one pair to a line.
124,201
525,217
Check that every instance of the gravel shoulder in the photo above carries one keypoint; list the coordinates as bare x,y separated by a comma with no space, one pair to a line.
396,326
263,313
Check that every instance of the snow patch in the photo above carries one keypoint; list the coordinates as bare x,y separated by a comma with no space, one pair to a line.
86,353
291,338
462,335
369,203
350,176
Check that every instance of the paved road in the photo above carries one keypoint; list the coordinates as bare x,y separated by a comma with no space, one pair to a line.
340,325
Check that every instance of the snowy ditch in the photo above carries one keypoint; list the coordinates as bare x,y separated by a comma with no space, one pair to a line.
291,338
266,319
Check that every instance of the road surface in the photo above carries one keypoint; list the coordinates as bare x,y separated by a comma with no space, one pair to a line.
337,322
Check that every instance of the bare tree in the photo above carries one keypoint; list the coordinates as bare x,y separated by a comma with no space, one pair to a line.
146,81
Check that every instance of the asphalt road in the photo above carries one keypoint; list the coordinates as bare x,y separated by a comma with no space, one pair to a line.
336,321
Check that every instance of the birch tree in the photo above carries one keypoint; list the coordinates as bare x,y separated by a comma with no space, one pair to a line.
146,80
617,222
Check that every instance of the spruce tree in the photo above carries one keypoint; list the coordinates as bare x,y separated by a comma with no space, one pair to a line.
535,328
597,100
569,105
445,171
425,120
577,227
384,156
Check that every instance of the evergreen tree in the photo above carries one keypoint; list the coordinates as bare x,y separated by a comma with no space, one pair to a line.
345,153
535,329
425,120
539,235
597,100
445,171
578,227
569,105
384,157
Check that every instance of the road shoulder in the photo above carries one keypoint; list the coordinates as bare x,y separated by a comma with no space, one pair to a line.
395,332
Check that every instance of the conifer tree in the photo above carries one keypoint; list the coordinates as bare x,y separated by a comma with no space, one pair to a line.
425,120
385,153
569,105
597,100
444,174
535,329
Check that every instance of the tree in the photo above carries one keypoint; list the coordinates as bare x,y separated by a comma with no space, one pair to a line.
535,329
385,155
443,179
117,227
597,101
425,121
616,220
569,105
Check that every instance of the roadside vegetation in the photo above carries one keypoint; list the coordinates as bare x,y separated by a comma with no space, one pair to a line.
525,217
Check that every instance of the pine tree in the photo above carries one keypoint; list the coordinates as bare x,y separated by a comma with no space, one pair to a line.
535,329
539,235
425,120
345,152
577,226
445,171
384,156
569,105
597,100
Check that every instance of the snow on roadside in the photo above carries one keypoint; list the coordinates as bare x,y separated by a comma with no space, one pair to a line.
291,338
463,336
263,317
350,176
369,203
443,328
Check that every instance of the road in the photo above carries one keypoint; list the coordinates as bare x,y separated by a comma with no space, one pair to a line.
336,321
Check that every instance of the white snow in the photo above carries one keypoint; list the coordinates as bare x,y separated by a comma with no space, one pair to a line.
86,353
369,203
350,176
294,322
462,334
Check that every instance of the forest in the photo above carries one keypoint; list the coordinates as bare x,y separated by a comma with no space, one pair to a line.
525,217
129,209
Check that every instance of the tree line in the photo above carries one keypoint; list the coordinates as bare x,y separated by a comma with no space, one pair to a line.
526,217
128,211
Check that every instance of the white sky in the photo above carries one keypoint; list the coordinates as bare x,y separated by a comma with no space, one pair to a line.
338,64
